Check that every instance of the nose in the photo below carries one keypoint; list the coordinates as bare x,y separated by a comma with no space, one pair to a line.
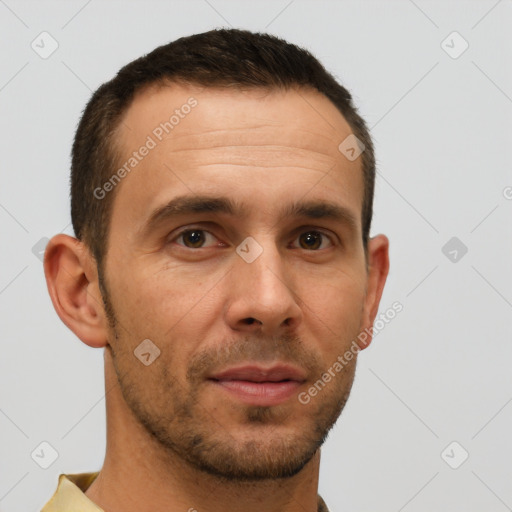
261,295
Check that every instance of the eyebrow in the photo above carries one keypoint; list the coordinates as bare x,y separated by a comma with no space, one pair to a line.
193,204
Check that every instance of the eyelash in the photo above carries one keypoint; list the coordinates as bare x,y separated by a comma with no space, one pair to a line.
190,229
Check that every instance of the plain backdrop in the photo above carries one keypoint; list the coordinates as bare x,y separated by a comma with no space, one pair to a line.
428,424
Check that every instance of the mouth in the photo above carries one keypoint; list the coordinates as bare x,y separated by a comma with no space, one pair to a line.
256,385
258,393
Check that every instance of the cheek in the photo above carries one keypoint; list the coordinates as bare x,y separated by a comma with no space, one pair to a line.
164,295
173,308
334,310
334,287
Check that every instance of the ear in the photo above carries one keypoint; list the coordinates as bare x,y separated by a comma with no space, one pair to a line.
72,280
378,268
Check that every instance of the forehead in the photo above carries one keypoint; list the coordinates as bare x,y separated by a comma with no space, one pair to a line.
195,139
298,112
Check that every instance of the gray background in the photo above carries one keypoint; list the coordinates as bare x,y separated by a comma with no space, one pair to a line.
439,372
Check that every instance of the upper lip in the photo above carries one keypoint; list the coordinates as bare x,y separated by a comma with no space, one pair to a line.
256,373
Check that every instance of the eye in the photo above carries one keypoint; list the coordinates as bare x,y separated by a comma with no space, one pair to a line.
194,238
312,240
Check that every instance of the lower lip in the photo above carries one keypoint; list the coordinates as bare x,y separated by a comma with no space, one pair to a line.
260,393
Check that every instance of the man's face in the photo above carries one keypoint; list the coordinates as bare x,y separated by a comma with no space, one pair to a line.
188,282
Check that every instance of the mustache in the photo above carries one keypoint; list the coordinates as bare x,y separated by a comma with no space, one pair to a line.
255,349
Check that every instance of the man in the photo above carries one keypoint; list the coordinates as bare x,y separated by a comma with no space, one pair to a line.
221,196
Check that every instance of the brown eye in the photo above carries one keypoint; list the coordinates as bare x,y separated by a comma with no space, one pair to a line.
311,240
193,238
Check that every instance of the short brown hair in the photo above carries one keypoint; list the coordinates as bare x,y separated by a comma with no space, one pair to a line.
217,58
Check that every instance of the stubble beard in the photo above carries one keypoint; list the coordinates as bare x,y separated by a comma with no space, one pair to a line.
184,428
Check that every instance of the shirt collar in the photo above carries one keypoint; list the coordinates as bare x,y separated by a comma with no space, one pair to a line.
70,494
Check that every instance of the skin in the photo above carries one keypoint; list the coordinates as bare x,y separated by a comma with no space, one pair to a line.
175,441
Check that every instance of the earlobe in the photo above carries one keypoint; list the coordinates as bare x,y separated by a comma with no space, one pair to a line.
73,287
378,269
